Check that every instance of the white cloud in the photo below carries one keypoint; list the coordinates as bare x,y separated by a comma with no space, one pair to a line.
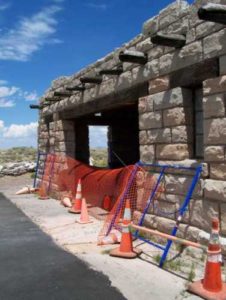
33,96
3,82
6,103
8,91
30,35
17,135
20,130
102,6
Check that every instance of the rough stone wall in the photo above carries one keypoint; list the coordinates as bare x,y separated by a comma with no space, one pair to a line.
166,114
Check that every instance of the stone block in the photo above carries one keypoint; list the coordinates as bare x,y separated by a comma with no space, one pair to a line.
60,136
159,84
145,45
144,73
143,140
182,134
215,190
150,26
215,85
155,52
145,104
215,131
155,136
177,116
124,81
202,212
172,98
147,153
150,120
206,28
180,184
223,218
188,55
172,12
214,153
64,125
218,171
214,44
173,152
214,106
222,62
164,209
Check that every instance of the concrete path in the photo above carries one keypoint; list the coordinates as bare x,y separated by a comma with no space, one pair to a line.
33,267
136,279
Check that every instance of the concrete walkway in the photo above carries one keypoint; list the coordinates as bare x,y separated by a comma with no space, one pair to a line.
136,279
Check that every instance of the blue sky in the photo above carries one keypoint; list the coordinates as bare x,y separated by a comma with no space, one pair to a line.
41,40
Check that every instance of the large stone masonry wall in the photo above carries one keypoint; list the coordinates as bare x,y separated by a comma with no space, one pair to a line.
165,111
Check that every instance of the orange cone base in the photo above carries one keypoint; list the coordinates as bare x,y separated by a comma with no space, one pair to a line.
74,211
84,222
133,254
197,288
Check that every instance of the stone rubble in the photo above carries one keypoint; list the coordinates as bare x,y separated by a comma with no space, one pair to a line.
17,168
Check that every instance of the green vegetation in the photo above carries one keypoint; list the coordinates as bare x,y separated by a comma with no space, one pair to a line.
17,154
99,156
191,275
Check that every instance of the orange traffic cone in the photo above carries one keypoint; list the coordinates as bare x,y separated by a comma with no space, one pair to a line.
43,193
77,205
125,249
211,286
107,203
84,217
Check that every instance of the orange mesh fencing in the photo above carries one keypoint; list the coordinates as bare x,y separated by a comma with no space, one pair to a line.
138,188
61,175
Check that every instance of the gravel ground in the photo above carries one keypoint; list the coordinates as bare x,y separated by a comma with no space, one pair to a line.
136,279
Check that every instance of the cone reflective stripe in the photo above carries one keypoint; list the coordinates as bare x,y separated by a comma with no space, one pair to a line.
125,249
84,217
212,287
77,203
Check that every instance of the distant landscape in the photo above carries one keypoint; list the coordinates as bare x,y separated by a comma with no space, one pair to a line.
18,154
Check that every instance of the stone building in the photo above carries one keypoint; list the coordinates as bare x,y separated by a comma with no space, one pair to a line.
165,102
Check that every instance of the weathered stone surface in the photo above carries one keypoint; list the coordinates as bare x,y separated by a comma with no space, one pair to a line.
222,63
214,86
144,45
218,171
202,212
214,153
17,168
206,28
188,55
172,12
155,52
150,26
213,106
147,153
64,125
182,134
223,219
179,185
143,73
159,84
172,98
172,151
159,136
177,116
143,137
215,44
145,104
215,131
150,120
215,189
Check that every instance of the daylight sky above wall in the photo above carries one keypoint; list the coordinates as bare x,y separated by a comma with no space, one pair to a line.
41,40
